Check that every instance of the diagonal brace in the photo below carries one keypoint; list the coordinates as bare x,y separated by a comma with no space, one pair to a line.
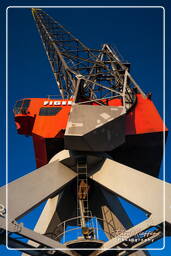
30,190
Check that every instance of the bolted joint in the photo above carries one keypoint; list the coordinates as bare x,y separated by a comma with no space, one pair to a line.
2,210
17,226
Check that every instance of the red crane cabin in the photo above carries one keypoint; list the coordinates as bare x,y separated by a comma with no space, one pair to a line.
45,120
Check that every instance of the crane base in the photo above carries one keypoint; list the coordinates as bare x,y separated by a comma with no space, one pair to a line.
83,243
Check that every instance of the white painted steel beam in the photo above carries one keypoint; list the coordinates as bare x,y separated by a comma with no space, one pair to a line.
125,235
44,219
141,189
34,236
30,190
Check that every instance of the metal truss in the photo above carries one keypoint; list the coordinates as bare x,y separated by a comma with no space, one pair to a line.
128,184
87,75
83,73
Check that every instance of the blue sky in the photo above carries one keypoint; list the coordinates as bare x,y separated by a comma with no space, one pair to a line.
137,34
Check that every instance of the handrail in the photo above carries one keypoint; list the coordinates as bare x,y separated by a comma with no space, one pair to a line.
96,227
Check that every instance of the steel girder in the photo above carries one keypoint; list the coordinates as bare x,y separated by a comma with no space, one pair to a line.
117,178
86,74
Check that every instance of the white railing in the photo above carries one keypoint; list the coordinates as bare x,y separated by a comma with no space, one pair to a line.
66,232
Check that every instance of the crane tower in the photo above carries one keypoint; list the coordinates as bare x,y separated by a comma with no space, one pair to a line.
99,140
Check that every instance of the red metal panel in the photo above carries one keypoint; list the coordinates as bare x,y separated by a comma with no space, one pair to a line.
51,126
144,118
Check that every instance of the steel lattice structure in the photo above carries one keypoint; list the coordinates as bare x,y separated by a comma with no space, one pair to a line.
86,74
99,141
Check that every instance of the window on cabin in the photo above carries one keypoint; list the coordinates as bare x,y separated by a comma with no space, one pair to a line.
21,107
25,106
49,111
17,107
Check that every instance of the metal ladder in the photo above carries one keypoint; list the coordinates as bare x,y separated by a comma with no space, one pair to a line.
82,188
82,196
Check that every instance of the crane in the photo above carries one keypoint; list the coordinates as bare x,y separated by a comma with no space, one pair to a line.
93,144
86,74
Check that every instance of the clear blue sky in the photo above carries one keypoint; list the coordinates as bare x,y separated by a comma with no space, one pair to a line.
137,34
